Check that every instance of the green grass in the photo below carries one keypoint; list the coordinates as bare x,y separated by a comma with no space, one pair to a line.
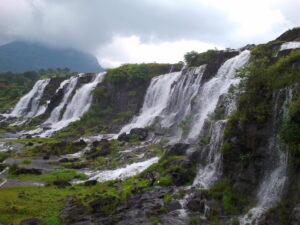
49,178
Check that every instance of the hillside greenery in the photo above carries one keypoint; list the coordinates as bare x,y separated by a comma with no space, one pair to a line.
14,85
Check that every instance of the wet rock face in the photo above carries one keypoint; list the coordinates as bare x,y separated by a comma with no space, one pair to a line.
295,217
135,210
73,211
177,149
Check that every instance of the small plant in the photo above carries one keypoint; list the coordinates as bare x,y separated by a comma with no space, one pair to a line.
167,198
226,148
154,220
218,114
194,220
27,161
235,221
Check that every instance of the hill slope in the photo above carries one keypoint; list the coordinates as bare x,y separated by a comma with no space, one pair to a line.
22,56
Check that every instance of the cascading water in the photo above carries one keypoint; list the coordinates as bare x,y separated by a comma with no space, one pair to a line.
172,98
29,105
79,104
209,94
181,98
272,186
68,86
290,45
156,100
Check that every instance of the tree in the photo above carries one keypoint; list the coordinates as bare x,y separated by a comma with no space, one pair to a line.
190,56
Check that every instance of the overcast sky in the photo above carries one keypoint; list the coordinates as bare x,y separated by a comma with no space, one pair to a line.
129,31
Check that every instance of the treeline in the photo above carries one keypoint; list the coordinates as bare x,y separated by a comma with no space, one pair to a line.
14,85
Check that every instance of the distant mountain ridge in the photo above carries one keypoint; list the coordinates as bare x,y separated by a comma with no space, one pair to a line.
24,56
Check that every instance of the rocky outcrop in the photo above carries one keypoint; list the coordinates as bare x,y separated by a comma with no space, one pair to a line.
136,133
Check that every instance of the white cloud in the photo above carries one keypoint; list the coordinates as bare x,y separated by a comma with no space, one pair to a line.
132,50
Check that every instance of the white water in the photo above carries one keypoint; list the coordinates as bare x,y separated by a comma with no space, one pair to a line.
79,104
183,93
209,94
68,86
290,45
156,99
121,173
271,189
29,105
209,173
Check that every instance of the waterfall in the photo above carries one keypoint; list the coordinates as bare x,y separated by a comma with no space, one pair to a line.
68,86
209,94
74,106
173,98
181,98
156,100
272,186
29,105
290,45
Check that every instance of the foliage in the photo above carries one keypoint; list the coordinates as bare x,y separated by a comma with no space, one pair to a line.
190,56
218,114
204,57
232,201
137,74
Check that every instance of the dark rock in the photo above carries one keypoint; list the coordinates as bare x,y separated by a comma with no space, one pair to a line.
64,160
32,221
123,137
174,205
295,217
73,211
28,136
102,202
196,202
28,171
46,157
29,144
61,183
90,183
177,149
142,133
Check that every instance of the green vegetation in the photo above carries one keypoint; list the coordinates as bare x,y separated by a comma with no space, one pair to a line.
263,77
232,202
53,148
136,74
193,58
172,172
218,114
13,86
49,178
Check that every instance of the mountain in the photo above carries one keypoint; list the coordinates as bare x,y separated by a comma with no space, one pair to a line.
24,56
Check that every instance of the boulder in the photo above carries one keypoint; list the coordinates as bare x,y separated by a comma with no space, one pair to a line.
123,137
177,149
196,202
28,171
61,183
73,211
174,205
90,183
142,133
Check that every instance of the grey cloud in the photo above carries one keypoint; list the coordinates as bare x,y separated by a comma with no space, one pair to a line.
88,24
